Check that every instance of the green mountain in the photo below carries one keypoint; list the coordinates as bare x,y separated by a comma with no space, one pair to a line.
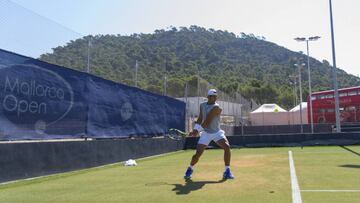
245,64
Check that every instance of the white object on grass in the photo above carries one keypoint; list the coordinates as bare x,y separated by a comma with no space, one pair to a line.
130,162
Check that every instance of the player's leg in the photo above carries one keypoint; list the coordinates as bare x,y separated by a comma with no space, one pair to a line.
195,158
224,144
200,147
199,151
222,141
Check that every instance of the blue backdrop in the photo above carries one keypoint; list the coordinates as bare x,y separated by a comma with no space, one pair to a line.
39,100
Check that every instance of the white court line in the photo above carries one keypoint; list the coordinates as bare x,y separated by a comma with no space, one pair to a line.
296,196
330,190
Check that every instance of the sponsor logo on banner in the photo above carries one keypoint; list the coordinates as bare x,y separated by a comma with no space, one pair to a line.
126,111
30,94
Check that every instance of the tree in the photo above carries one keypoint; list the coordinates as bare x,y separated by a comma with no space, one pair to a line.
248,64
176,87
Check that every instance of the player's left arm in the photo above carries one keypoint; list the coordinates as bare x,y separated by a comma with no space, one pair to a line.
216,111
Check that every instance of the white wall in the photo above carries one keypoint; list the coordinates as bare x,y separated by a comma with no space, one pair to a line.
269,118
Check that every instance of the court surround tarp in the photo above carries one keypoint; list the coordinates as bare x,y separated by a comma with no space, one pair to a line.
39,100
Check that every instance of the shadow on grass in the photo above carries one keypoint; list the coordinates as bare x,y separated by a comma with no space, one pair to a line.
190,186
350,166
352,151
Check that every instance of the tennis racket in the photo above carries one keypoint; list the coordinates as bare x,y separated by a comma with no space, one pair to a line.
176,134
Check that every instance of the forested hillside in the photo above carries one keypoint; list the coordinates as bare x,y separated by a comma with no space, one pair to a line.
241,63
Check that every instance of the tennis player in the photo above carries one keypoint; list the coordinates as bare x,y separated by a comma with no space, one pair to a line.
208,126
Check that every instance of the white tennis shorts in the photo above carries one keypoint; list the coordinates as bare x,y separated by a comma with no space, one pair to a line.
205,138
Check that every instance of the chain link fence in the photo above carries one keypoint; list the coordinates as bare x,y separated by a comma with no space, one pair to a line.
31,34
28,33
235,108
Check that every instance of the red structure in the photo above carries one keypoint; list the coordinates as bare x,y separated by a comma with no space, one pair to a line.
323,104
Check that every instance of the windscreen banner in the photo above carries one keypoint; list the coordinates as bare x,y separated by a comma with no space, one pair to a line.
39,100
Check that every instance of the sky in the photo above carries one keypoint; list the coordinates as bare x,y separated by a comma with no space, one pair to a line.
51,23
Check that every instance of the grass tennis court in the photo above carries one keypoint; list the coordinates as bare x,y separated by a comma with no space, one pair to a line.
324,174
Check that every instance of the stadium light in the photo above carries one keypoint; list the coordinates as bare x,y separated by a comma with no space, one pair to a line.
88,55
303,39
299,68
336,92
293,77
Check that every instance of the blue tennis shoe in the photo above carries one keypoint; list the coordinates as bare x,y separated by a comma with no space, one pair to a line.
188,173
228,174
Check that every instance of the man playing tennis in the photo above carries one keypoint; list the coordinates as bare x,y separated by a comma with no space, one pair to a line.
208,123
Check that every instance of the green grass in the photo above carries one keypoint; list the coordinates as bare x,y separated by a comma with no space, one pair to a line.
262,175
330,168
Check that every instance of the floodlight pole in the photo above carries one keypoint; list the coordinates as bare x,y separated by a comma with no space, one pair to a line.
88,56
295,89
302,39
242,121
136,72
337,111
295,93
165,78
165,81
300,105
310,99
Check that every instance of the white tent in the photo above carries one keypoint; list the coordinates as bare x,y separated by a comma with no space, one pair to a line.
294,114
269,114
